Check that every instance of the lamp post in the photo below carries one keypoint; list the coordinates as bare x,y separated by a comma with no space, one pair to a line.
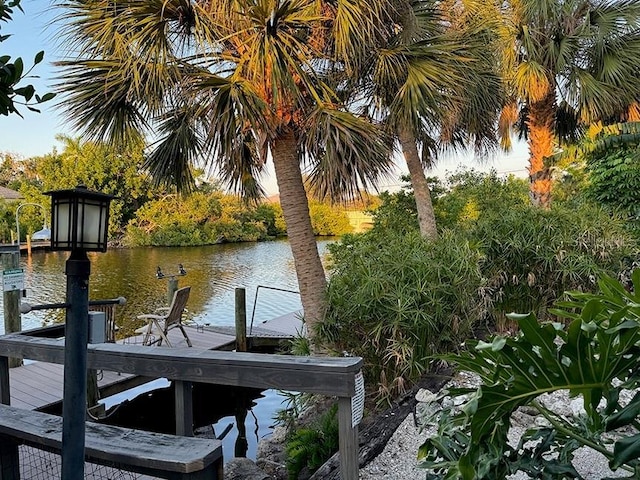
79,223
44,234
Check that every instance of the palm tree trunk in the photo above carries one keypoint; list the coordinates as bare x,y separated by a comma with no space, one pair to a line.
421,191
540,129
295,209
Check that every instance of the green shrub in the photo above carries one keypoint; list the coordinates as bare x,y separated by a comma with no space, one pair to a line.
594,357
203,218
312,446
472,195
533,255
395,299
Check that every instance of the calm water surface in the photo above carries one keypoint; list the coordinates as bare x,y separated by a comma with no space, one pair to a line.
213,272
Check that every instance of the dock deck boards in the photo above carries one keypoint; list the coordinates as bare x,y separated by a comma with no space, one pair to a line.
37,385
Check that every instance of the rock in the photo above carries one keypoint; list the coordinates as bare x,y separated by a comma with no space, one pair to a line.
426,396
271,456
243,469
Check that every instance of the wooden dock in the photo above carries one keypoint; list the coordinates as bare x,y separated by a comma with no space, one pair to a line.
38,385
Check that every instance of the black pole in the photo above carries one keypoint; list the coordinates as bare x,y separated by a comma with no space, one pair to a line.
74,401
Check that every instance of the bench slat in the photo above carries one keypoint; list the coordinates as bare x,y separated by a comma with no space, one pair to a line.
116,445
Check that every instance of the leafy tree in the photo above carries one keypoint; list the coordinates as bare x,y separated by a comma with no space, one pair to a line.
12,72
116,171
227,82
565,64
202,218
328,219
615,179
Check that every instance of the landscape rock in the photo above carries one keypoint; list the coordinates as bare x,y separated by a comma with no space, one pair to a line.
243,469
271,455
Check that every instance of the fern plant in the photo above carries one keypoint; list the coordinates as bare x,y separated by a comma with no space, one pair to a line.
312,446
594,357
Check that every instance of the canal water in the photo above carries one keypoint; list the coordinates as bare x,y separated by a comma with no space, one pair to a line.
213,272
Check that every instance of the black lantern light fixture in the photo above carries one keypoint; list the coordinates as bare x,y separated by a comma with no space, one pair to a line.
79,224
79,219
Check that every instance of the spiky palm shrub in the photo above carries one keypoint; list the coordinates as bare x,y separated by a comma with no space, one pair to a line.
396,299
532,256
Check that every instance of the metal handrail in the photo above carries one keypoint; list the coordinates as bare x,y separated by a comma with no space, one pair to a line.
27,307
255,300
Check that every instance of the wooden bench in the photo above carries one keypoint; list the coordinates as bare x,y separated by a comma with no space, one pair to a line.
158,455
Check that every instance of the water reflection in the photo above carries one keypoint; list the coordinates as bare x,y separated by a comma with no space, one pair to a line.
212,271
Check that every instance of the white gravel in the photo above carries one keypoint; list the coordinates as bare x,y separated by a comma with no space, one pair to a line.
398,461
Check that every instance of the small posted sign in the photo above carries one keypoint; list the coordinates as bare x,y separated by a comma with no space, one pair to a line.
357,401
12,279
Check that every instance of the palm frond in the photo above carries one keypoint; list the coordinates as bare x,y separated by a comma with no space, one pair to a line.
346,153
170,162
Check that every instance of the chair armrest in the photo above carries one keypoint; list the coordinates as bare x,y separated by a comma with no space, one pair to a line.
152,316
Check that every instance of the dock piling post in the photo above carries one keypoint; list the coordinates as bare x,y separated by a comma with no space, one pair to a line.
184,408
241,320
172,286
11,299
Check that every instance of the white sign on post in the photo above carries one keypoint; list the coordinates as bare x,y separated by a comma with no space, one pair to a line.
12,279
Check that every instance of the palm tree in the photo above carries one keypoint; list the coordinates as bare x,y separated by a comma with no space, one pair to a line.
566,63
435,84
229,84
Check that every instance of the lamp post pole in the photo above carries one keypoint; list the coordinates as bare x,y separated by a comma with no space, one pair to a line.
79,223
77,269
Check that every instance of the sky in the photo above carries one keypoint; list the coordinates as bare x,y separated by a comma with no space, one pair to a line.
35,134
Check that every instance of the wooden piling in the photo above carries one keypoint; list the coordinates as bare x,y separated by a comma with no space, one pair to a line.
11,299
241,320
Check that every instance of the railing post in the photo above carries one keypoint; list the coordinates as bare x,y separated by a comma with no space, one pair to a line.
184,408
348,441
9,456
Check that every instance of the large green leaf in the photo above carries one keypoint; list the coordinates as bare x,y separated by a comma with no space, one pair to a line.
591,357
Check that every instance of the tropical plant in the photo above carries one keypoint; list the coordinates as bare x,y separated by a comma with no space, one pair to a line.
227,82
595,357
566,63
531,256
614,180
12,72
311,446
397,298
435,85
471,195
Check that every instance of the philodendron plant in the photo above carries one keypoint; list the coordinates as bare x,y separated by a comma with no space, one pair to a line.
593,356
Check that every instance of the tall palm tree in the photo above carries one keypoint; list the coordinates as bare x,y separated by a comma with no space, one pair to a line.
435,84
566,63
230,84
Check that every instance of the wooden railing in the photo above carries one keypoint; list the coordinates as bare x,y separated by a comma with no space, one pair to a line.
321,375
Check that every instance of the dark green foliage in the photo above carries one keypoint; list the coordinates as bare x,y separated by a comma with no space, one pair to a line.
200,219
396,298
472,195
595,356
533,255
615,178
12,72
398,211
312,446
